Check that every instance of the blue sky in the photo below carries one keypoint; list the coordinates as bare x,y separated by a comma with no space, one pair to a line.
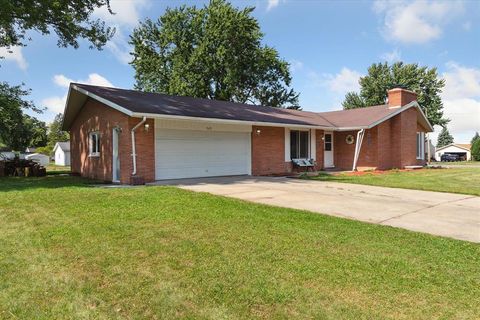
329,45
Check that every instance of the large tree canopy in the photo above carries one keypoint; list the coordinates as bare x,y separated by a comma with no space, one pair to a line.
18,130
70,19
211,52
382,77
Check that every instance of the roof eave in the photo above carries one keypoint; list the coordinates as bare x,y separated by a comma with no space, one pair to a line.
231,121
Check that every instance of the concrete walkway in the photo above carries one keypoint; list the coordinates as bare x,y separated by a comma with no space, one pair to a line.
444,214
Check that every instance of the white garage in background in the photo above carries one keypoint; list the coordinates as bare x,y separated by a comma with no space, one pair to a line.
187,149
62,153
462,150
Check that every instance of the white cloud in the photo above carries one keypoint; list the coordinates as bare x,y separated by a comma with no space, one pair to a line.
461,82
56,104
127,16
418,21
272,4
344,81
120,47
296,65
126,12
461,100
393,56
14,54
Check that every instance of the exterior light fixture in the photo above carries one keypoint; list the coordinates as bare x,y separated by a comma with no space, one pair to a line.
147,127
258,131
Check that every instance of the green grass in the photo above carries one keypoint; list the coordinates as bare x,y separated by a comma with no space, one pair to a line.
458,180
72,251
457,163
53,169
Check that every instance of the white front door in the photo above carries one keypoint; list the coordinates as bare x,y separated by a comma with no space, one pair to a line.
115,157
328,150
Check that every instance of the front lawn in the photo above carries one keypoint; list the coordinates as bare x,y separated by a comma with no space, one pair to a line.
72,251
458,180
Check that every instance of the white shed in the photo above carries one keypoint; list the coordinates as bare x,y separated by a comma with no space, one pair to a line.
463,150
38,157
62,153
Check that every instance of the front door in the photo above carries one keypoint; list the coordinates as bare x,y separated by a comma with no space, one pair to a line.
328,150
116,158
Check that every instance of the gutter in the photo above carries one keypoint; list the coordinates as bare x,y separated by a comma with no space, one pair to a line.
134,154
358,145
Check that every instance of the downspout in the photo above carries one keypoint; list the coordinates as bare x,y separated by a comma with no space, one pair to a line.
358,145
134,154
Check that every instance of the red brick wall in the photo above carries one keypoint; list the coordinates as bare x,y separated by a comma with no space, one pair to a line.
400,97
145,149
319,148
95,116
344,153
398,147
268,151
385,147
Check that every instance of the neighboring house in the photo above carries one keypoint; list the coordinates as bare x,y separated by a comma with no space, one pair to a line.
62,153
460,149
30,150
129,136
42,159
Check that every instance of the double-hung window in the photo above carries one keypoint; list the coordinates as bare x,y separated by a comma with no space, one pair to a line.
299,141
420,145
94,144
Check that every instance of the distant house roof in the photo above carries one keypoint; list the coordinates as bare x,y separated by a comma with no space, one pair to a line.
465,146
144,104
65,146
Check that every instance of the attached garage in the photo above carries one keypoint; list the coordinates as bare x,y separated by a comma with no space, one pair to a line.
189,150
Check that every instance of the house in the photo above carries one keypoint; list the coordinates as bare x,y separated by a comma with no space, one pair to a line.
30,150
129,136
462,150
42,159
61,151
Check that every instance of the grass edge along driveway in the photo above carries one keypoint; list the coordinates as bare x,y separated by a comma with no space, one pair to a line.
458,180
68,250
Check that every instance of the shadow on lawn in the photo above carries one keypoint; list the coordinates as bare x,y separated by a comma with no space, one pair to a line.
48,182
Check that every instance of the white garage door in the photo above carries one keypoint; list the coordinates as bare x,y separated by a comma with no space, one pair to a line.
190,154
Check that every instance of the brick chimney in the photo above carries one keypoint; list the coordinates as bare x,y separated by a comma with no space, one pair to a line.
398,97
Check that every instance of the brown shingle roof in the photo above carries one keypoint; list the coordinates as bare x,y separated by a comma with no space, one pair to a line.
139,103
157,103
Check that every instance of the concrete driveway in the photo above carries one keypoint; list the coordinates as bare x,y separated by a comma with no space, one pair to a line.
444,214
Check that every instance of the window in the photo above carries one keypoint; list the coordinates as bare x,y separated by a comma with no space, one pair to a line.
299,141
94,144
420,145
328,141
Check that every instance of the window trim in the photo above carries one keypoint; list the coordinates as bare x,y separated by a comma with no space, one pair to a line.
420,145
309,147
90,144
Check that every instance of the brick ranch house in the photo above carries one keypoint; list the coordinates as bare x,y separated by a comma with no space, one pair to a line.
127,136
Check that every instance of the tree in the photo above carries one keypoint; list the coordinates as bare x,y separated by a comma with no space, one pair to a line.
17,130
475,150
475,138
381,77
212,52
55,134
444,138
70,19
